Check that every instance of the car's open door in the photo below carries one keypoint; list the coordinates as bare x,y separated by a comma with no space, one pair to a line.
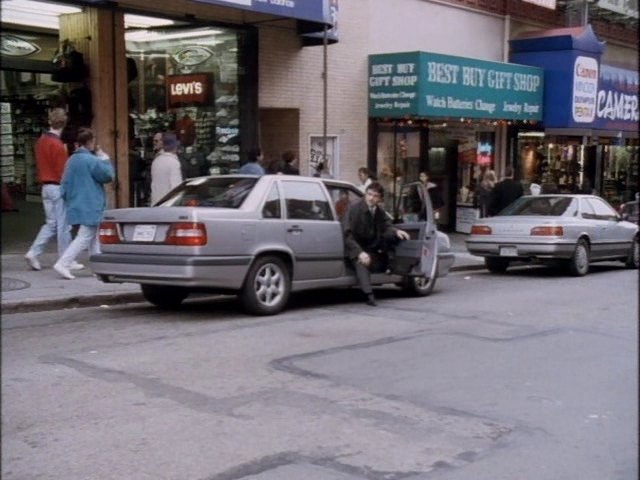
414,214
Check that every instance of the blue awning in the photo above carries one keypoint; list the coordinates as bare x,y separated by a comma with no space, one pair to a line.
312,15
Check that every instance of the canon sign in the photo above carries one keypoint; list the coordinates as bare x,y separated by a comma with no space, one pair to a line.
186,90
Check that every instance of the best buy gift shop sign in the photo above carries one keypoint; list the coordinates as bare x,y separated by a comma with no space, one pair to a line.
433,85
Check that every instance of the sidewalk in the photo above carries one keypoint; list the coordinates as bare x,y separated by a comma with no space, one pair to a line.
26,290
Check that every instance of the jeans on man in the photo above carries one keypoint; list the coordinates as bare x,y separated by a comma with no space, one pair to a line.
55,222
86,239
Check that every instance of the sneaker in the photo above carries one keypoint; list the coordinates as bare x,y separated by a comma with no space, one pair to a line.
32,261
63,271
76,266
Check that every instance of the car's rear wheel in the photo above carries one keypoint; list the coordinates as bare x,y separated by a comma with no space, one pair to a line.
267,287
579,261
164,296
496,264
633,259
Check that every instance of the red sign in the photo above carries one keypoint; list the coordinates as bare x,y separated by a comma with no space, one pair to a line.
187,90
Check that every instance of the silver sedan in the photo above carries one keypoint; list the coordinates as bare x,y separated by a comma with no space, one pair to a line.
571,229
259,237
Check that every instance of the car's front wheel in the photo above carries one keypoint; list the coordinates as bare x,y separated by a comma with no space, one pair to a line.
164,296
267,287
419,286
633,258
496,264
579,262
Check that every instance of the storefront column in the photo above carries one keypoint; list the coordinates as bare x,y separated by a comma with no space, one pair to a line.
501,156
99,35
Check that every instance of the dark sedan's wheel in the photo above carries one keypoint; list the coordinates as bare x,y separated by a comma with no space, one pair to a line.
633,259
496,264
419,286
267,287
579,262
164,297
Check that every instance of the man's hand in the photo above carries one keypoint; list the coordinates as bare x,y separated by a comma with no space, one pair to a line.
402,235
364,259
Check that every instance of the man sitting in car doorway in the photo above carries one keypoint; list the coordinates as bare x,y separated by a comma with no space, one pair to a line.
369,237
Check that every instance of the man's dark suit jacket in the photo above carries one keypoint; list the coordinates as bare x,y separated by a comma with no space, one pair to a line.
364,232
503,194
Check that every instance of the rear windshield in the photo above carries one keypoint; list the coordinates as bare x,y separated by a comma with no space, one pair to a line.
223,192
548,206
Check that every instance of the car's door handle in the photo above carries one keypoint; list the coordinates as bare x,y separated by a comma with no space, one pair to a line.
294,229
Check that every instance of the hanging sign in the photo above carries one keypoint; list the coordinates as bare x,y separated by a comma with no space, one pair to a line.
433,85
309,10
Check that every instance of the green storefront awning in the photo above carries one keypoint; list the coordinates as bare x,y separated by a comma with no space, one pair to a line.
423,84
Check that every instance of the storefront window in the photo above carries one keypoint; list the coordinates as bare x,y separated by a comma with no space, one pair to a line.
563,167
184,80
476,155
530,151
398,160
558,164
620,174
26,99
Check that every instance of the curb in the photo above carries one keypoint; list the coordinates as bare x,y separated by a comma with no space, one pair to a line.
93,300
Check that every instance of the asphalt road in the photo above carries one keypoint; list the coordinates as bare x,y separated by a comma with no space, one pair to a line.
528,375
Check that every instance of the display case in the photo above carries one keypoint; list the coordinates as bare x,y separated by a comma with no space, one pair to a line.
7,162
22,124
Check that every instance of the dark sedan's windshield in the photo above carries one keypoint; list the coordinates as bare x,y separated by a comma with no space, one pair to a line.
224,192
546,205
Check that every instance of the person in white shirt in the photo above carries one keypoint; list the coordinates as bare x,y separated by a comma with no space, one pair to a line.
166,173
364,174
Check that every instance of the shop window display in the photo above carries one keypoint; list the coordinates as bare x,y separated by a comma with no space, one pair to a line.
398,162
26,99
558,164
186,80
476,155
563,168
620,174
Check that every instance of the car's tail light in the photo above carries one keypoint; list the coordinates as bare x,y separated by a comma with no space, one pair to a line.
547,231
187,234
108,233
480,230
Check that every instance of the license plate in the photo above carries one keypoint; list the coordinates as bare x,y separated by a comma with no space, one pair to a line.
508,252
144,233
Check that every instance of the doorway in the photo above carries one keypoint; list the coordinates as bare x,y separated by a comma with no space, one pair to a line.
279,131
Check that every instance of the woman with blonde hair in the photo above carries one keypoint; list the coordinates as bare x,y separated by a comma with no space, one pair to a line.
483,192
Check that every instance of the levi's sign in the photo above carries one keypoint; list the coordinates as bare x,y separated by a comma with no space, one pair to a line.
194,89
433,85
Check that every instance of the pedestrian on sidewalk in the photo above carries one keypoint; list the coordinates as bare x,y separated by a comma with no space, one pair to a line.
366,178
427,187
505,192
483,192
254,165
51,156
83,192
166,173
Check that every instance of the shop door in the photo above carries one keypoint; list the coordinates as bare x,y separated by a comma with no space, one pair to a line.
442,167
